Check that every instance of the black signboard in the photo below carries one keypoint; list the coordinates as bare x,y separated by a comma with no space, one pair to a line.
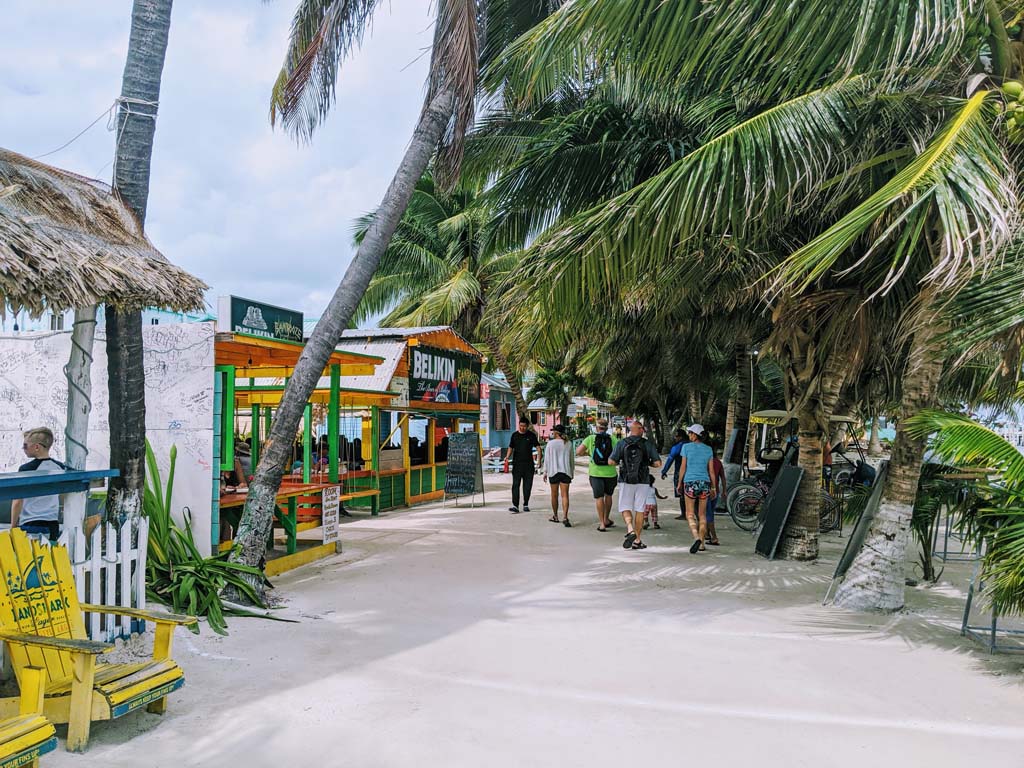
465,474
443,376
775,509
254,318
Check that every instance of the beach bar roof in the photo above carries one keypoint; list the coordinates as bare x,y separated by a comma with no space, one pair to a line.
67,241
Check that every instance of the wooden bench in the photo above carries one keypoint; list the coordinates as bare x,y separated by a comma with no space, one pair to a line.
42,623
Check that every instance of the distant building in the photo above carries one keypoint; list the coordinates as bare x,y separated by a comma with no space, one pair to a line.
498,417
62,321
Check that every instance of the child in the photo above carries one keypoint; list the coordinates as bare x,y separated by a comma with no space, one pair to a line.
651,505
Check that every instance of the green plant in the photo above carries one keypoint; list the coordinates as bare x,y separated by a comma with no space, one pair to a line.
997,517
177,574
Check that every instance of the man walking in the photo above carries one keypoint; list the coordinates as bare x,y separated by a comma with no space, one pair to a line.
634,456
521,447
599,447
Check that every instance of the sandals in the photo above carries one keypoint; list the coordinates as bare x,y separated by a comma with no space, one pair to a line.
638,545
695,546
627,543
657,527
602,529
553,519
714,543
566,523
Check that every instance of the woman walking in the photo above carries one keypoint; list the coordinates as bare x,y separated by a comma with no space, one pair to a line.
559,466
697,483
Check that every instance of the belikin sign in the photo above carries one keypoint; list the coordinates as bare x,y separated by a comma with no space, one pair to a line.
254,318
443,376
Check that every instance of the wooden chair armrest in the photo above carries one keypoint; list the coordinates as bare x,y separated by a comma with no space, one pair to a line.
33,687
57,643
136,613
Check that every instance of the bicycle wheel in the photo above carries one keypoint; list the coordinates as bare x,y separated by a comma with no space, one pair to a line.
831,512
745,505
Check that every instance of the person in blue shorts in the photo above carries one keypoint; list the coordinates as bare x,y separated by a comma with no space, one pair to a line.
718,475
697,483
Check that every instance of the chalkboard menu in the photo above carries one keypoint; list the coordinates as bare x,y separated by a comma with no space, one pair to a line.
775,509
465,474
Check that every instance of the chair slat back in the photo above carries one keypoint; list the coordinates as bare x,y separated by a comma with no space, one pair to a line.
38,597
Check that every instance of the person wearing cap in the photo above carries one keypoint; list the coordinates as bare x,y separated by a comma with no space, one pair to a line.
559,466
634,456
697,483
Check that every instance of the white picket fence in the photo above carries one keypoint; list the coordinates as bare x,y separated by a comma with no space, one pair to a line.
111,571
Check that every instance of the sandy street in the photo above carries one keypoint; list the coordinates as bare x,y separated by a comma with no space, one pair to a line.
472,637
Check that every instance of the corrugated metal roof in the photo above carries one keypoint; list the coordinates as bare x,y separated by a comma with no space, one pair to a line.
391,333
391,351
496,382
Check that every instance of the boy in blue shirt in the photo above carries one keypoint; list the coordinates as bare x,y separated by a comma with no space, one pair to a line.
697,483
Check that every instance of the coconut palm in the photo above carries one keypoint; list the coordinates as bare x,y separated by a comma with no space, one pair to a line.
324,33
557,384
136,126
806,123
441,269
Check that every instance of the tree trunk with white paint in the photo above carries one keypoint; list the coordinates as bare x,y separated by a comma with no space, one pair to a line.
876,580
875,443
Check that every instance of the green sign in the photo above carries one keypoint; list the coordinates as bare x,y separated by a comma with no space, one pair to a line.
443,376
254,318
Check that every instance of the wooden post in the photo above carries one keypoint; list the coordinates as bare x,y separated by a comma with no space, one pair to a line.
431,455
256,436
406,461
307,437
80,711
163,644
375,457
333,416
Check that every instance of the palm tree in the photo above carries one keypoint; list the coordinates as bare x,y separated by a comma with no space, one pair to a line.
136,125
557,385
441,269
801,124
324,33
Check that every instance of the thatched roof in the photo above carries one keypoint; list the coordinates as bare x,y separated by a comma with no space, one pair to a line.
67,241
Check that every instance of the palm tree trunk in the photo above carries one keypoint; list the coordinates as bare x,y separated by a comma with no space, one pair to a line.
693,398
258,515
510,375
76,430
136,126
875,443
664,422
740,412
709,409
876,579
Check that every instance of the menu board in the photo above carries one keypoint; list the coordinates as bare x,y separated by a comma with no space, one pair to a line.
465,474
331,504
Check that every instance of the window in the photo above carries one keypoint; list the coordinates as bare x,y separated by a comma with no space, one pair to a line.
502,416
543,418
154,321
57,322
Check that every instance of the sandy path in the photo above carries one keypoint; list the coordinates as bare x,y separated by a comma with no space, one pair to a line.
476,638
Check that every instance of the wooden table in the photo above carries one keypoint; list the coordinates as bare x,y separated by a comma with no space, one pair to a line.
288,495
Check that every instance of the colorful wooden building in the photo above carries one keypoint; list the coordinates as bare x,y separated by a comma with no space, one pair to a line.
434,378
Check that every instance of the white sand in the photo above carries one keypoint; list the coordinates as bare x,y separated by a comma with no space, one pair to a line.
472,637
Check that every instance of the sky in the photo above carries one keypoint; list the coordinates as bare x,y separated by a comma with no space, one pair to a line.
235,202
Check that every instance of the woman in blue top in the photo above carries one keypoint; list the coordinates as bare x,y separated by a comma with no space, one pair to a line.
697,483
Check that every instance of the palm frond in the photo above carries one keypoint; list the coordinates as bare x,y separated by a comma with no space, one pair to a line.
323,34
957,439
960,180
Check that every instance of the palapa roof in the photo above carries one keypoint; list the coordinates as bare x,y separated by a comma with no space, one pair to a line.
67,241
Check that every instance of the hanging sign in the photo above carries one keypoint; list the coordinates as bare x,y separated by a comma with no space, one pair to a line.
331,504
443,376
255,318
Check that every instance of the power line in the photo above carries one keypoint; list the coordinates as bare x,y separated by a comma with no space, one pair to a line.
77,136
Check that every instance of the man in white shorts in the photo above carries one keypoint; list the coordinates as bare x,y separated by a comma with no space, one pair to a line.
634,456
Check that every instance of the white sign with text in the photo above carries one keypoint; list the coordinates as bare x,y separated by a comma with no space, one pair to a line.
331,502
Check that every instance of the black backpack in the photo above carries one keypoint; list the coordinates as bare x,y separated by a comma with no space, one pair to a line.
634,461
602,448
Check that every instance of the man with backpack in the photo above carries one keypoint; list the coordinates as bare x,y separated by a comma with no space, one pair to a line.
602,473
634,456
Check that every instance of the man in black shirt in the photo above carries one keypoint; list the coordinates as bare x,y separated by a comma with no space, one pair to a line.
521,447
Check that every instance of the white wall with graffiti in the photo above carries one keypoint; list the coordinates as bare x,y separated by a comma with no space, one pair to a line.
179,405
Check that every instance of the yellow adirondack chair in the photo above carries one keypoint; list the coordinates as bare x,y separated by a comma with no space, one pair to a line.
27,735
42,624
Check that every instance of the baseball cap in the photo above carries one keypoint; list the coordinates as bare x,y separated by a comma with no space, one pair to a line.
697,429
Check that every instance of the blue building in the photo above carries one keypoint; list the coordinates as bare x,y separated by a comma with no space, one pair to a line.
498,415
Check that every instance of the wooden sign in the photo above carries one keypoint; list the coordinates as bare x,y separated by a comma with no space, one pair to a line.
465,474
331,504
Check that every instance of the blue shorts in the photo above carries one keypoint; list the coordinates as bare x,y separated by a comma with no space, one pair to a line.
709,512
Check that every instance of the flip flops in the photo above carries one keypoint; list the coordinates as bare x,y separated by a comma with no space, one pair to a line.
566,523
695,546
553,519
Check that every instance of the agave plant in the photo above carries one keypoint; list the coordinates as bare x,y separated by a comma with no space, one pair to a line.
177,574
999,523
